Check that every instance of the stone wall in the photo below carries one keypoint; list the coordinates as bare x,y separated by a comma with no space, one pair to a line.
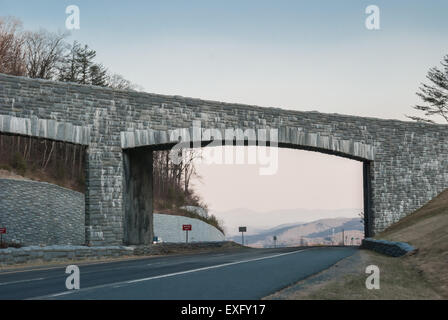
54,253
405,163
169,228
41,213
76,254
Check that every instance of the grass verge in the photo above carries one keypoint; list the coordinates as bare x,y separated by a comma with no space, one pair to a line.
346,281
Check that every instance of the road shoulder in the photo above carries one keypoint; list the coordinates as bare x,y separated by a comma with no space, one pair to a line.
346,281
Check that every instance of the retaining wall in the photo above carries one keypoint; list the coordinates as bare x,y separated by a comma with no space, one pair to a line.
68,254
169,228
41,213
11,256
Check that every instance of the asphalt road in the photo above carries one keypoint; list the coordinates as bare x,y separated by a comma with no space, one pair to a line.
233,275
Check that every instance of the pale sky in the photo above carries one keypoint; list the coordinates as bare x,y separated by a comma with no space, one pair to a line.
304,180
300,55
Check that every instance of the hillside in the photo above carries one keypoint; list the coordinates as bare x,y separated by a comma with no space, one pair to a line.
323,231
427,230
210,219
42,160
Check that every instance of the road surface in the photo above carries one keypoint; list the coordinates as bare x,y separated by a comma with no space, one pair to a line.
233,275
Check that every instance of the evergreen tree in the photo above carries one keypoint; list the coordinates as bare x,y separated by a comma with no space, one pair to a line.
69,70
435,94
84,59
98,75
79,67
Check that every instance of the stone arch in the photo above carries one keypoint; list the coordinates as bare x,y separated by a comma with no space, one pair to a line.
138,146
285,137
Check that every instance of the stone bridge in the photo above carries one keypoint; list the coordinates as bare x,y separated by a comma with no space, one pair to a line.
405,163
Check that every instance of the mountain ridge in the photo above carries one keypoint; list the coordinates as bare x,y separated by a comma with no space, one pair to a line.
257,222
321,231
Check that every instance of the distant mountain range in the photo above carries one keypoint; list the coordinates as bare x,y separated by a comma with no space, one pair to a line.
323,231
258,222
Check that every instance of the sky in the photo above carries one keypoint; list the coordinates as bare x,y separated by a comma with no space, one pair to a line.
303,180
299,55
303,55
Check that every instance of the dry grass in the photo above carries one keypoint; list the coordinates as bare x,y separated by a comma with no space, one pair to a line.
347,282
427,230
7,172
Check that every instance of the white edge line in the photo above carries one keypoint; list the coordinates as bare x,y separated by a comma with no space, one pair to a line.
62,293
210,267
20,281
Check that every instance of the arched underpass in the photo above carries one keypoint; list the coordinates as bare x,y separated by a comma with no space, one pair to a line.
138,164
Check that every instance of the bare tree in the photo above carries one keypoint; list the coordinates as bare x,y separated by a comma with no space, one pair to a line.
174,178
434,95
117,81
12,56
189,168
44,53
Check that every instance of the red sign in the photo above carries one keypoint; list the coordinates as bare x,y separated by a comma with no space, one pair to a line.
186,227
3,230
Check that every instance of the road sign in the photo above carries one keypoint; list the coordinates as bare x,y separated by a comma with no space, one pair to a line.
186,228
242,230
2,230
